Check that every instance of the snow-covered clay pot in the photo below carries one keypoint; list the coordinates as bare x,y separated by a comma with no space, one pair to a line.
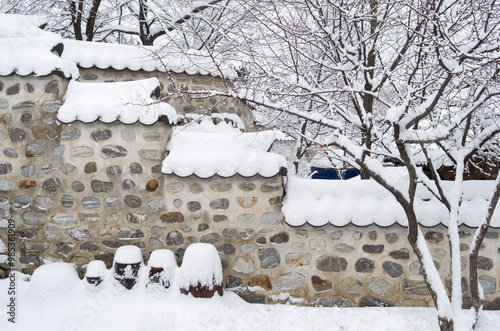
127,262
201,271
95,272
161,267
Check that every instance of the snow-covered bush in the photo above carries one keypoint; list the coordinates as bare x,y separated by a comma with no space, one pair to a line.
127,262
53,280
201,271
161,267
95,272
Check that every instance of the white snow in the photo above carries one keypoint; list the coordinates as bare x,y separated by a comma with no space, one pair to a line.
15,26
163,258
225,154
53,281
127,102
228,123
200,265
3,247
80,308
128,254
103,56
365,202
96,268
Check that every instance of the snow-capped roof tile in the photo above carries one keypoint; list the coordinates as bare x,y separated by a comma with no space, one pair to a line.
365,202
127,102
27,49
103,56
225,154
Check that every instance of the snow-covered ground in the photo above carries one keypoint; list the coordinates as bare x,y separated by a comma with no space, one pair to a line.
65,304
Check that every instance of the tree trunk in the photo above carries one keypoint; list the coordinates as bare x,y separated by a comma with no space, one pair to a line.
445,325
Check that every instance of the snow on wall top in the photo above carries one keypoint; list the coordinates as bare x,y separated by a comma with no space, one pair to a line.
103,56
365,202
26,49
127,102
205,154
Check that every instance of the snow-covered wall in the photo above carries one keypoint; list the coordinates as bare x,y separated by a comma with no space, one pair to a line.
79,191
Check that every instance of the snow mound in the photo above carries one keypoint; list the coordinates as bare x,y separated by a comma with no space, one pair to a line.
96,268
225,154
128,254
15,26
201,265
365,202
162,258
52,281
127,102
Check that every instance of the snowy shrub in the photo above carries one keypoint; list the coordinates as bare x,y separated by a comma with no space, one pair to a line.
161,267
95,272
54,280
201,271
127,262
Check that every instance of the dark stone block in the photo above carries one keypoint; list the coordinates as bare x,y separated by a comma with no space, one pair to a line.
491,235
269,258
78,186
137,218
279,238
254,298
10,152
202,227
493,305
463,283
321,285
51,185
64,248
52,87
152,185
17,135
11,90
113,151
222,203
26,117
174,238
220,218
226,249
90,168
5,168
34,150
114,170
484,263
27,233
107,258
136,168
175,217
100,186
232,282
90,246
100,135
133,201
261,241
373,249
374,302
401,254
364,265
112,243
434,237
30,259
331,263
210,238
230,233
70,134
91,202
193,206
393,269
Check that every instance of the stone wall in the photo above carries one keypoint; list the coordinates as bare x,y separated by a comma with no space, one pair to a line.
79,191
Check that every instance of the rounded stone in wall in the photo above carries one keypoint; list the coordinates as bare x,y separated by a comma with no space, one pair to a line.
174,238
113,151
298,259
336,235
135,168
127,184
391,237
434,237
27,233
172,217
27,184
52,232
82,151
133,201
29,88
114,170
26,117
90,167
155,205
374,302
331,263
244,265
210,238
202,227
219,218
101,135
246,218
5,118
247,248
5,185
364,265
393,269
58,150
178,203
271,187
50,106
352,285
269,258
4,103
128,134
193,206
70,134
246,234
67,201
90,246
280,238
321,285
226,249
10,152
247,202
77,186
51,185
379,286
13,89
152,136
230,233
44,203
484,263
344,248
373,249
99,186
69,169
152,185
291,280
247,187
221,186
400,254
5,168
91,202
33,150
174,187
79,234
489,284
317,244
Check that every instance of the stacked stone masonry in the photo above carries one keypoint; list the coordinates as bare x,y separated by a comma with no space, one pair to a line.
79,191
